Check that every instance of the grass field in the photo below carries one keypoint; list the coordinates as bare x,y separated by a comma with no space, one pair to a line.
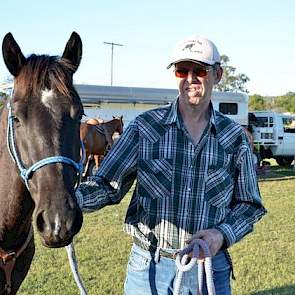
264,262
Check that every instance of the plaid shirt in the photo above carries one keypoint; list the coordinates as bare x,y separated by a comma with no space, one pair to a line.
181,187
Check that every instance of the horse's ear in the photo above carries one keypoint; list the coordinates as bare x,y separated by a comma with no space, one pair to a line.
73,50
12,55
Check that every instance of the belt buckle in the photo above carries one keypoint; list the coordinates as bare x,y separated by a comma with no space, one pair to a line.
8,257
168,254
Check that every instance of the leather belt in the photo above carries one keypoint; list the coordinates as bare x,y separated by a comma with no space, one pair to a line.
152,248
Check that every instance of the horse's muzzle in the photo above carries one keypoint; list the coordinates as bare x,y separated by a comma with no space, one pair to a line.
57,229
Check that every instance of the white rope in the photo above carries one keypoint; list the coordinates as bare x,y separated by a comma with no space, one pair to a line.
206,264
74,268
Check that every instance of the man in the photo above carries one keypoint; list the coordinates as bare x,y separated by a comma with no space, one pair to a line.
194,179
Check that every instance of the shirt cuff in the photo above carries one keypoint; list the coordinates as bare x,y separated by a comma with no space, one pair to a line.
79,198
228,234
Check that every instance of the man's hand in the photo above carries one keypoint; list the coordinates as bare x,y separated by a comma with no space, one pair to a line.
212,237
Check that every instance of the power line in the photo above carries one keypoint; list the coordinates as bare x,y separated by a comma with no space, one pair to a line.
112,57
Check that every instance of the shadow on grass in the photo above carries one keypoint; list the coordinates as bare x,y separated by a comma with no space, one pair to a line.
276,173
286,290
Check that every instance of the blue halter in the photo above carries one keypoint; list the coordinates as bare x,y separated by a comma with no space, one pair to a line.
26,174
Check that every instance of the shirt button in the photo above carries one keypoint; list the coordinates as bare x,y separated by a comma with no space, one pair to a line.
189,189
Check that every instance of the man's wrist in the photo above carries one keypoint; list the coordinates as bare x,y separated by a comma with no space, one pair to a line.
79,198
229,237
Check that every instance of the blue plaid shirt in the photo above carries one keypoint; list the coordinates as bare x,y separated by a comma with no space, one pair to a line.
181,187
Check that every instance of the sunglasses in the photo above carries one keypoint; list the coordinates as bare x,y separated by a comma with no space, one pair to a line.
199,72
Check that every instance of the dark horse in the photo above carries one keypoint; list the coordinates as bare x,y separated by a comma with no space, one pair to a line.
39,157
98,138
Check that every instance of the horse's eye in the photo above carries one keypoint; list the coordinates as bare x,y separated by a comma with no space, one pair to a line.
16,121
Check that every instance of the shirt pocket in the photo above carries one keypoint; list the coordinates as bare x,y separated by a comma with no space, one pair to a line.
219,187
154,178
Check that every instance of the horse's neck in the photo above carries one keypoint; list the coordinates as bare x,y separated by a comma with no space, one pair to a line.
16,205
16,210
111,126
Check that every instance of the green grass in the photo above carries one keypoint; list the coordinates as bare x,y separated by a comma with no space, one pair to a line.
264,262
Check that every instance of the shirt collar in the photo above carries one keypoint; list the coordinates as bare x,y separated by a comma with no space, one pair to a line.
172,115
214,126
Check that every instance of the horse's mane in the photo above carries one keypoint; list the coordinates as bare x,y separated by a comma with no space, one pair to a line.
46,72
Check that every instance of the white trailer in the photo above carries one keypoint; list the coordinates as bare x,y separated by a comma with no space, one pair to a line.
232,104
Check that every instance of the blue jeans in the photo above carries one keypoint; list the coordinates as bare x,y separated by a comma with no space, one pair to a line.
145,277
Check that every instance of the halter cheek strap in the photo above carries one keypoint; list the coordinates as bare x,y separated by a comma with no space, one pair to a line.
26,174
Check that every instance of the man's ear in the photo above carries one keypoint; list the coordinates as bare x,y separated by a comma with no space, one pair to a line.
218,76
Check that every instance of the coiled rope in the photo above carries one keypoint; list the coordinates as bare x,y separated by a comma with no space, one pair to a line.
203,265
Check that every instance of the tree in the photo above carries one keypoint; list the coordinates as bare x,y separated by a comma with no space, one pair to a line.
286,102
231,81
4,88
3,95
257,103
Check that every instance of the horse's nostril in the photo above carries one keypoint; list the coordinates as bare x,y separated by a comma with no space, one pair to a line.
40,222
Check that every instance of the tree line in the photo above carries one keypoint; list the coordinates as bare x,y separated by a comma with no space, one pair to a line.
284,103
232,81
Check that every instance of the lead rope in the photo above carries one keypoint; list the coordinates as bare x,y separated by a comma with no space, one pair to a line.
206,264
74,268
70,248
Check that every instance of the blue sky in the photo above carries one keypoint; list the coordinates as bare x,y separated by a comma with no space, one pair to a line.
257,35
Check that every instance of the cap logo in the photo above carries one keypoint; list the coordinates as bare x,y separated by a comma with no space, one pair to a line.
193,47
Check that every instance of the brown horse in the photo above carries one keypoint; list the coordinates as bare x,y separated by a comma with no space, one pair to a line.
98,138
95,121
39,157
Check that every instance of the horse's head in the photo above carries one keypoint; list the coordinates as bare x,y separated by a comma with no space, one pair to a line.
46,112
119,124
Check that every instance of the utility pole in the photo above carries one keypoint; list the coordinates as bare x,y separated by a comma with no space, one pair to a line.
112,56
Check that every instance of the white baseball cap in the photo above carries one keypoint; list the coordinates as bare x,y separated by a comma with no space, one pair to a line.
195,49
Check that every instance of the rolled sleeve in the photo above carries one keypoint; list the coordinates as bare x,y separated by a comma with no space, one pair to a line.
94,194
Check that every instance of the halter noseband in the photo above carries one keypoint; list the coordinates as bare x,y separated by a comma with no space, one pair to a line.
27,173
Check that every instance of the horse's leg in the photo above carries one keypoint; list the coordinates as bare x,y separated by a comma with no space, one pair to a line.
97,161
108,137
88,158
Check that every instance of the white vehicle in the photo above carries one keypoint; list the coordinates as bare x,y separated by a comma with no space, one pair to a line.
273,136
